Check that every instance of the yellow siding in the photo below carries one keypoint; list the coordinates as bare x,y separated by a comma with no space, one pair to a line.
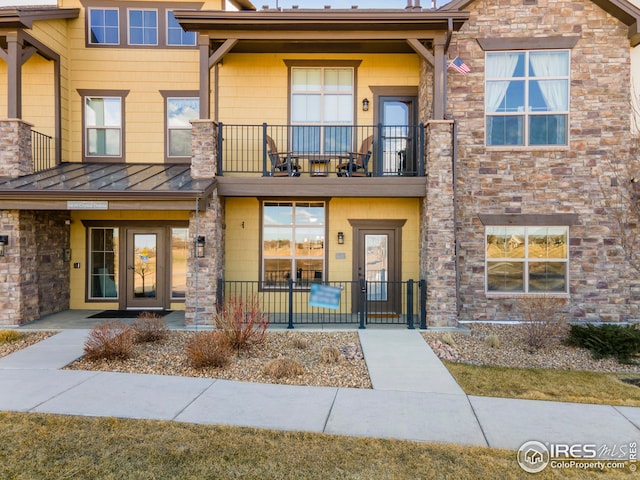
254,88
243,243
79,249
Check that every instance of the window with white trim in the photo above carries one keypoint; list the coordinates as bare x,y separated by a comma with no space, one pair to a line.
143,27
527,98
104,26
176,36
293,243
103,126
322,109
521,259
180,112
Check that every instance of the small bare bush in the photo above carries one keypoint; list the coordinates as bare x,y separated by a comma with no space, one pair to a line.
7,336
109,340
542,317
282,368
492,341
149,327
209,349
300,343
447,339
242,322
330,355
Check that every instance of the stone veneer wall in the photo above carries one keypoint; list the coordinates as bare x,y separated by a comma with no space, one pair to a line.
202,277
547,181
15,148
34,278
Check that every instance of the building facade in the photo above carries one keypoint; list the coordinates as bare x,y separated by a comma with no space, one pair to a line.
172,155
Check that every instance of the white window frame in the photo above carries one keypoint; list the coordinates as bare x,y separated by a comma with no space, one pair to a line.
170,128
105,127
116,265
89,26
144,28
526,261
527,114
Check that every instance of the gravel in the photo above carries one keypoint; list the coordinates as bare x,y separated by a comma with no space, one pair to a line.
512,351
168,358
27,339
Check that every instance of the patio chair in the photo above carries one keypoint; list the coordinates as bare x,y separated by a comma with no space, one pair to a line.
356,164
283,164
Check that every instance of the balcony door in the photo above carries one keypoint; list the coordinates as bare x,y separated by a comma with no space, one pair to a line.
398,116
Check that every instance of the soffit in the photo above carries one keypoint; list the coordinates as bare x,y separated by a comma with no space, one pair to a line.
23,17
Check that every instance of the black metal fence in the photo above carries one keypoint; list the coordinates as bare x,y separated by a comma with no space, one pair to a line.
319,150
42,151
361,303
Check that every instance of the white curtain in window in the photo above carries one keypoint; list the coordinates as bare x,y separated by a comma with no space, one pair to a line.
551,64
499,66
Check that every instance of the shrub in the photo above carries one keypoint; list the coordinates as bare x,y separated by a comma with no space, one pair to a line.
149,327
619,341
447,338
492,341
300,343
242,322
283,367
7,336
209,349
109,340
543,319
330,355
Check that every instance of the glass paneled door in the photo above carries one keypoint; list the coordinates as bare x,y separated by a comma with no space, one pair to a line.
399,139
145,268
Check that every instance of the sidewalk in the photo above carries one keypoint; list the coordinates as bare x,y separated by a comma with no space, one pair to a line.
413,398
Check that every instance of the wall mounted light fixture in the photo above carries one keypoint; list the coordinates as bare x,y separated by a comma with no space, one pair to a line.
340,238
365,105
4,241
200,247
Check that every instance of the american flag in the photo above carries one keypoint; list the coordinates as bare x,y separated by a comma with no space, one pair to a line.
459,66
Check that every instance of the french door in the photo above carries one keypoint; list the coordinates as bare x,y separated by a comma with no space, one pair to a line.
145,273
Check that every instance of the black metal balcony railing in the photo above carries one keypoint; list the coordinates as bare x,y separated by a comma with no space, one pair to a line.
289,305
320,150
42,151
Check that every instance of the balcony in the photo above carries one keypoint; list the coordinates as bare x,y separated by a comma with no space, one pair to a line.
321,151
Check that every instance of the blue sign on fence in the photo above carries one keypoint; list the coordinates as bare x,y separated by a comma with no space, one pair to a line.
324,296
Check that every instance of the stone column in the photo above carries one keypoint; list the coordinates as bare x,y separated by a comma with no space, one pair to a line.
438,256
16,158
203,273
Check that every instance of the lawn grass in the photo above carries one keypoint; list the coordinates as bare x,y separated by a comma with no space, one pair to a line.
38,446
540,384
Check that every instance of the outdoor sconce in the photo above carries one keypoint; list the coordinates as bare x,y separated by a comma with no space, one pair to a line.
340,238
200,247
4,240
365,105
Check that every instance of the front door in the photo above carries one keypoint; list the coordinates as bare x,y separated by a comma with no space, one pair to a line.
145,268
399,135
377,262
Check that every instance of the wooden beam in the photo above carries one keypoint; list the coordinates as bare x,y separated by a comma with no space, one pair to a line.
222,50
421,50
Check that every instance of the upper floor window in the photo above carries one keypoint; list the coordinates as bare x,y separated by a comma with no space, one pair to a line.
527,98
175,34
322,109
521,259
104,26
180,112
103,124
143,27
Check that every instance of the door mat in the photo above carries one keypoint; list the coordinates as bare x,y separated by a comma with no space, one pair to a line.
128,313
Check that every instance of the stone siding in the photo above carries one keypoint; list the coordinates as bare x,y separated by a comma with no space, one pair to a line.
15,148
34,278
547,180
203,273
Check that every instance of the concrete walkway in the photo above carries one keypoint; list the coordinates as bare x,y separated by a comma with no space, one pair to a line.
414,398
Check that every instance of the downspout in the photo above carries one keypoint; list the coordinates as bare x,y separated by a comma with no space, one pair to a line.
216,92
195,257
454,175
